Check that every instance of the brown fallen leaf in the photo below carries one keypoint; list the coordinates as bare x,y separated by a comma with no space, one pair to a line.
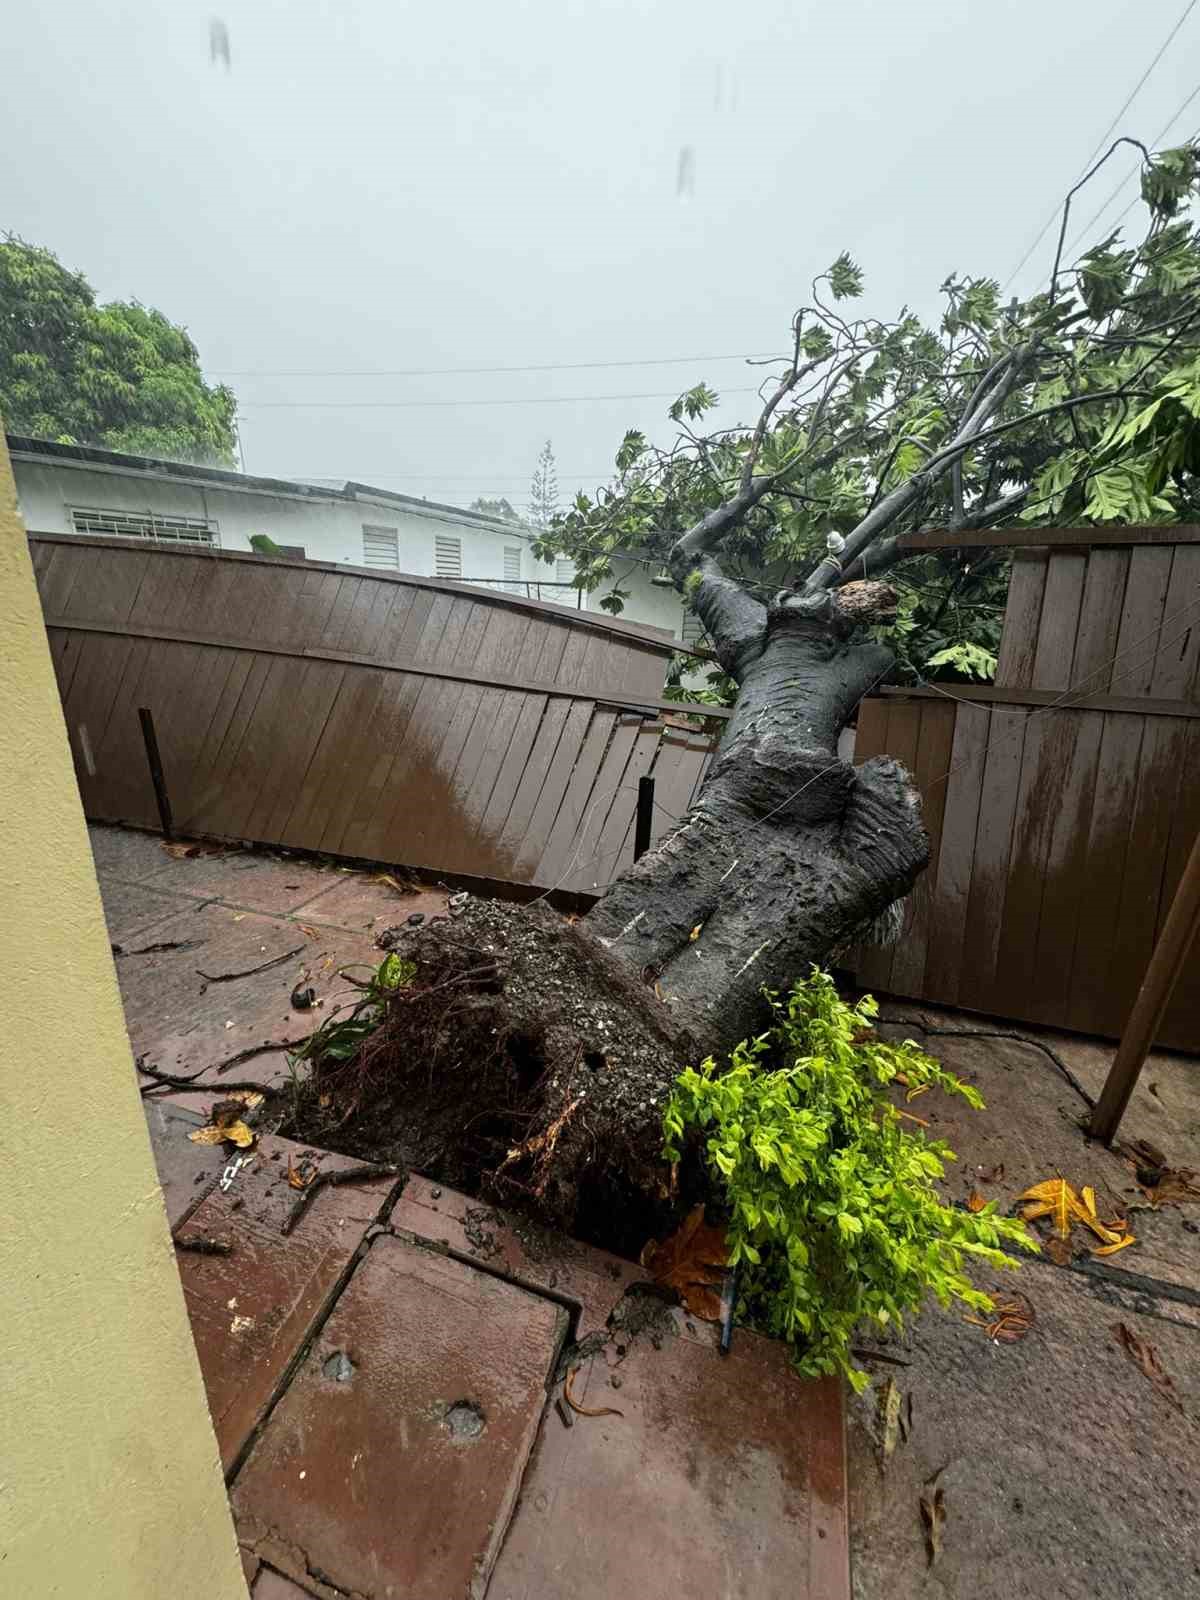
311,932
975,1201
692,1261
1143,1153
990,1174
1059,1250
933,1515
1010,1319
1145,1358
1175,1187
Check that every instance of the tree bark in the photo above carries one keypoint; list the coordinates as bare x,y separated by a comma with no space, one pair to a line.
789,852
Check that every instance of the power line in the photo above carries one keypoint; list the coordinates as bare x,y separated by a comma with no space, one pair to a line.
509,400
1132,173
1103,139
462,372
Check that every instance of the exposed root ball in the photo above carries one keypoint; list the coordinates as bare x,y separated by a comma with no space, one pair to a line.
521,1062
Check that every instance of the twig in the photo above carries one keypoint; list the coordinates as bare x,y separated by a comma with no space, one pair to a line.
877,1355
152,949
586,1411
228,977
167,1080
360,1174
205,1247
264,1049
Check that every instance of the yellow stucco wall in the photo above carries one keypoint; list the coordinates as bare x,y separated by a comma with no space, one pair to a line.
110,1487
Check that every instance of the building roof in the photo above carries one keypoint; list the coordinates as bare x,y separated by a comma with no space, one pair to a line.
21,447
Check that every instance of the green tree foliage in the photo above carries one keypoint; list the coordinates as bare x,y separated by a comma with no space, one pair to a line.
117,375
1098,381
834,1216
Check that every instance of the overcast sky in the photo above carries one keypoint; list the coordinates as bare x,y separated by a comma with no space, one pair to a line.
378,186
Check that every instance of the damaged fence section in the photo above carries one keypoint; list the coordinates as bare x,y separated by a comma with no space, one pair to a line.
364,714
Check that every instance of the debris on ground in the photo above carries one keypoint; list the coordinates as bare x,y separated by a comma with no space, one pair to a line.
933,1515
249,972
1011,1318
1056,1199
693,1262
1145,1358
225,1120
586,1411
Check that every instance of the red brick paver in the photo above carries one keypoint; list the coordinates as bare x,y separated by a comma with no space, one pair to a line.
252,1311
392,1464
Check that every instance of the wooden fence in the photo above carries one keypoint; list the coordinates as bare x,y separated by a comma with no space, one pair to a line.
1062,801
395,718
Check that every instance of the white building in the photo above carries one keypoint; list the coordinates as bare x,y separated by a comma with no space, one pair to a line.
78,489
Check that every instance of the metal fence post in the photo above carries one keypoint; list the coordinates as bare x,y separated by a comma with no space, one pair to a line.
156,772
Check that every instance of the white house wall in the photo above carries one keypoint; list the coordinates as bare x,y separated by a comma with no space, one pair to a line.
328,530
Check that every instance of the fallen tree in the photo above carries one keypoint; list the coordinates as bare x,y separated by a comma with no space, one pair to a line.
1081,402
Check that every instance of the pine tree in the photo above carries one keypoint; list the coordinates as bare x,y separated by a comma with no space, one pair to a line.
543,492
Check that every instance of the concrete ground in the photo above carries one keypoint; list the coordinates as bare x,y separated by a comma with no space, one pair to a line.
387,1380
414,1394
1065,1472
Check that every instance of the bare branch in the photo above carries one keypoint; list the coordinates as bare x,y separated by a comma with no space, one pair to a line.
1087,177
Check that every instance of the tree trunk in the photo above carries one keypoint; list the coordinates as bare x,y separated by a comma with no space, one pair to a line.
789,852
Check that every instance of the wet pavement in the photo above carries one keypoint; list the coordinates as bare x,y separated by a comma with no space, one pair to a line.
389,1379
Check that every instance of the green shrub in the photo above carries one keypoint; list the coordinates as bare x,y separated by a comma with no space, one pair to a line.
834,1219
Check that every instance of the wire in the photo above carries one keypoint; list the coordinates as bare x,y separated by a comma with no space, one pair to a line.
1158,137
1103,139
447,372
508,400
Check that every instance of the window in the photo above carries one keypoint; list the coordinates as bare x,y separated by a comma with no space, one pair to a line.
381,547
512,568
693,628
564,571
145,525
447,556
296,550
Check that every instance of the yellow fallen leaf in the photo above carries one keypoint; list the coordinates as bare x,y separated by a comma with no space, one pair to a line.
236,1132
240,917
1111,1249
1088,1195
914,1092
248,1097
695,933
975,1201
1054,1198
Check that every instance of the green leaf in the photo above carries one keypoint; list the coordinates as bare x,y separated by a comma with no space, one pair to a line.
845,278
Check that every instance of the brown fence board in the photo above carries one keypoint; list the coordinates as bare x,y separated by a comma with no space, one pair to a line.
1141,620
1055,648
1022,621
1048,996
1099,621
1178,658
956,853
562,851
612,794
933,759
367,714
993,844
